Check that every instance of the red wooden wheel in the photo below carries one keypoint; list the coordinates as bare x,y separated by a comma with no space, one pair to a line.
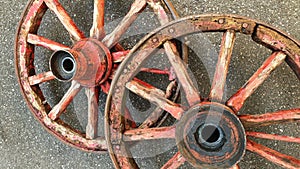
89,63
209,132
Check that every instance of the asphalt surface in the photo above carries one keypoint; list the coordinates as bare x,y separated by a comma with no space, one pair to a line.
25,144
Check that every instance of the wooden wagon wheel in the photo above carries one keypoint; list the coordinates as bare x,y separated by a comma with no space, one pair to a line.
89,63
209,132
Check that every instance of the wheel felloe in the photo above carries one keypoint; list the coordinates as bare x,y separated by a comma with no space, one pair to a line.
210,135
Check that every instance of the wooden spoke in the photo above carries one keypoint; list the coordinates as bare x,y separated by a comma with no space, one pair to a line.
105,87
174,57
273,156
181,72
175,15
159,11
273,137
171,8
166,71
119,47
152,118
46,43
93,112
151,70
41,78
235,167
65,101
157,113
97,30
271,118
156,96
65,19
112,39
125,158
238,99
156,71
149,134
119,56
219,81
175,162
129,122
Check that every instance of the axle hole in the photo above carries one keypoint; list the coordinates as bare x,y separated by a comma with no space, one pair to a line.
210,136
68,64
63,65
210,133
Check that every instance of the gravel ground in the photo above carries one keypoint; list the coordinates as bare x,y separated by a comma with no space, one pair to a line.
25,144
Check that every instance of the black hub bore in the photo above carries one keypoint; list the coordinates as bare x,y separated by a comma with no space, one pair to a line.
63,65
211,136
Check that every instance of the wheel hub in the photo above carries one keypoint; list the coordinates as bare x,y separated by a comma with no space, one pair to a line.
209,135
89,62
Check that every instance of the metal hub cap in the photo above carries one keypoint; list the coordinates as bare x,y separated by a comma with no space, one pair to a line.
210,135
88,62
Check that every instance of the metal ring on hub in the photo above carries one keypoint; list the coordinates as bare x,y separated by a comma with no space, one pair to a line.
210,135
68,65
